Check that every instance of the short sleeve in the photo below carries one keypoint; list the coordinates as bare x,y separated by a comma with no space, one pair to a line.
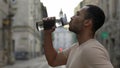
96,57
67,51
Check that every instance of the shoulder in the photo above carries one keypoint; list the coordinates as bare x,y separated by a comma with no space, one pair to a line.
68,50
93,44
95,50
72,46
95,54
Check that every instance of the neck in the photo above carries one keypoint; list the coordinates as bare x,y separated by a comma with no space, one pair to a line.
84,36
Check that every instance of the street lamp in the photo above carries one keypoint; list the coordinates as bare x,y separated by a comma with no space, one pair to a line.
7,32
11,12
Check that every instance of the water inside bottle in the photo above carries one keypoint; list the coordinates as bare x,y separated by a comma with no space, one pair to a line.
40,26
66,26
59,23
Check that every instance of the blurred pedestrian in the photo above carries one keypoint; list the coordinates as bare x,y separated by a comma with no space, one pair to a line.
87,52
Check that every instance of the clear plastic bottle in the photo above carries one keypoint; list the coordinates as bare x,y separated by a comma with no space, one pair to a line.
62,22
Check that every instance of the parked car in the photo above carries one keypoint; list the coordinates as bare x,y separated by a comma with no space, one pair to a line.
21,55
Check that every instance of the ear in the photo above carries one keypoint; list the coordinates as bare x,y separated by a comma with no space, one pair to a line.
88,22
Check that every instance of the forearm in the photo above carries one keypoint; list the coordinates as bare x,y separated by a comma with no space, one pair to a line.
50,52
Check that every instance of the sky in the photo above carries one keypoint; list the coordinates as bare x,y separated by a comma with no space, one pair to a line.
54,7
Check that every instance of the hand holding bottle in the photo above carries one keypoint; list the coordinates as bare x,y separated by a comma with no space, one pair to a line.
48,23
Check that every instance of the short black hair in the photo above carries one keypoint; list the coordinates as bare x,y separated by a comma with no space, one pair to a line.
97,15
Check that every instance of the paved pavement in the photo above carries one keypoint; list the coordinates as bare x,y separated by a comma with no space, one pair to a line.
39,62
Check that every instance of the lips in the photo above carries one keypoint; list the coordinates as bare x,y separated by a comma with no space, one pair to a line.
70,21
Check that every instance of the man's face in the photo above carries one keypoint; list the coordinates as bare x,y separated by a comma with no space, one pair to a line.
77,21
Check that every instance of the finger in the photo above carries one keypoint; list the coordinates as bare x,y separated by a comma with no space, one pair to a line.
45,19
53,18
48,18
53,27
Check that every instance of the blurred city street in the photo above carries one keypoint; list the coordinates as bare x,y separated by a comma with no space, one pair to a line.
39,62
21,36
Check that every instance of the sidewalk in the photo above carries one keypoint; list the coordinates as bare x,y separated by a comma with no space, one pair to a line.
33,63
39,62
1,61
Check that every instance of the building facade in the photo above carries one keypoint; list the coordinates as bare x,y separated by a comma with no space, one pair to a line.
25,35
109,34
3,15
62,37
18,34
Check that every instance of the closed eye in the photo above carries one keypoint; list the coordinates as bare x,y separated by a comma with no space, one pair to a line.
77,13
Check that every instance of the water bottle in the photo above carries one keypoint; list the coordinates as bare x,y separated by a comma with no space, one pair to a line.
58,23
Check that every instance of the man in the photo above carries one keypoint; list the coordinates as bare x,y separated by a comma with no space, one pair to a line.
88,52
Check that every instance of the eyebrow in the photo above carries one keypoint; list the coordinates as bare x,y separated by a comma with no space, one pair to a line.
77,12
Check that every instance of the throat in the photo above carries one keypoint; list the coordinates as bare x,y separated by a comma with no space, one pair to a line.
83,38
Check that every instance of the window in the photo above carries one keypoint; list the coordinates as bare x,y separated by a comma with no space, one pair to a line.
5,1
115,6
13,1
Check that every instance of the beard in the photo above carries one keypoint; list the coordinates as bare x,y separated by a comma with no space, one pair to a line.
76,29
73,30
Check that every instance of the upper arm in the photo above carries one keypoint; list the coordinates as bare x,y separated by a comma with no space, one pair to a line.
96,58
60,59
